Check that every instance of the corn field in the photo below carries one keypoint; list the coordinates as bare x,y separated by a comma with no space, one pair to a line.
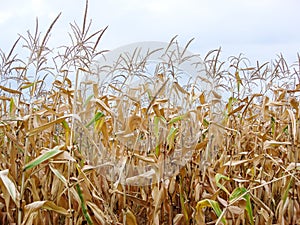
159,152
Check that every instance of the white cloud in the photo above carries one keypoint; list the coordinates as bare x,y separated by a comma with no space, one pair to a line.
239,24
5,16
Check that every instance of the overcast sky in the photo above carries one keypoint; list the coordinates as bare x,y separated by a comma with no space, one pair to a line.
260,29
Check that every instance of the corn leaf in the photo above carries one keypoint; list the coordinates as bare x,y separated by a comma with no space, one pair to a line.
59,175
171,136
87,100
242,192
83,206
67,132
27,85
9,185
48,125
176,119
210,203
42,158
37,205
218,178
130,218
97,117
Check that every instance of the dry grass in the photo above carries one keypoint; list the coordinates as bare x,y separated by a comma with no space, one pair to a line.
69,159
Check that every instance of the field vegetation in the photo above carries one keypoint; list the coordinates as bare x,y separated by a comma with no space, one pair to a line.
145,156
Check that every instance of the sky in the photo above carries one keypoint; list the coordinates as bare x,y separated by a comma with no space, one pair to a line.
259,29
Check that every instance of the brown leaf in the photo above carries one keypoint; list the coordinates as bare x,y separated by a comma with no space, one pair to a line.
37,205
9,186
133,123
48,125
130,217
202,98
98,213
178,219
12,91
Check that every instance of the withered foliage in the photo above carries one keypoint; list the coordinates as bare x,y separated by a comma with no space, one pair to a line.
67,158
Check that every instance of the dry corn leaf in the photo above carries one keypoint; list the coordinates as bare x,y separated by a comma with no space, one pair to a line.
172,185
275,103
9,185
98,213
273,144
12,91
104,106
293,166
179,88
178,219
31,218
201,145
134,122
147,159
64,156
49,205
43,127
238,78
294,103
130,217
14,140
236,162
158,197
156,109
202,98
141,178
161,100
4,98
216,95
57,84
60,176
235,209
239,108
294,124
134,199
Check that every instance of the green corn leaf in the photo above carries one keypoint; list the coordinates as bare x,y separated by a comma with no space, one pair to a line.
286,130
176,119
238,80
236,194
42,158
97,117
156,127
286,191
273,123
65,125
157,121
205,122
218,178
249,208
156,133
83,205
181,196
230,103
88,100
213,204
12,106
27,85
241,191
171,136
